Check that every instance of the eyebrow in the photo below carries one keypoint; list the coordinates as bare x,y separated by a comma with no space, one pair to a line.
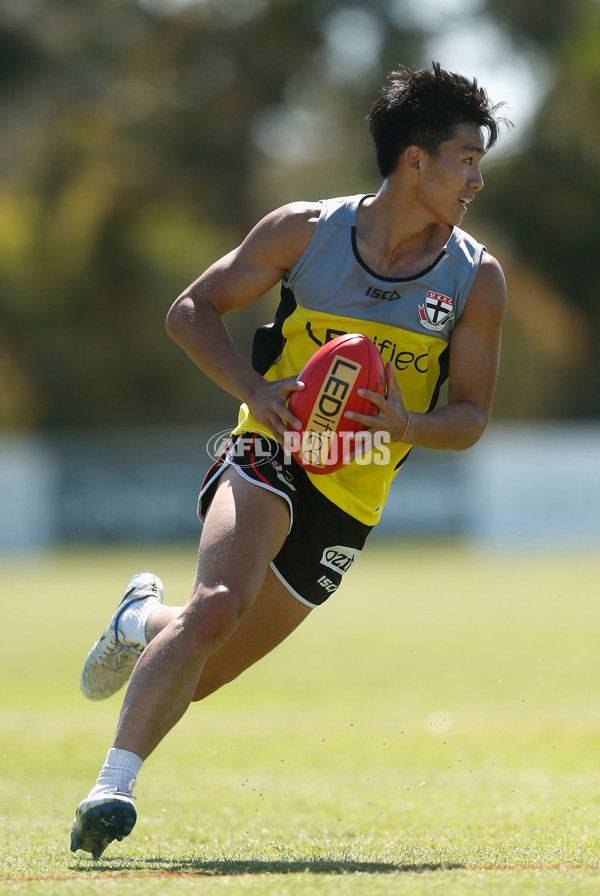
471,147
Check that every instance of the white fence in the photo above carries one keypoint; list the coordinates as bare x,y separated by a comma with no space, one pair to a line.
519,485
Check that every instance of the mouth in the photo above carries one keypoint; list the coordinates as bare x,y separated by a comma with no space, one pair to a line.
465,201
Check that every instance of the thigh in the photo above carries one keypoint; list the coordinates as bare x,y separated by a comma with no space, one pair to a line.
244,528
323,542
273,616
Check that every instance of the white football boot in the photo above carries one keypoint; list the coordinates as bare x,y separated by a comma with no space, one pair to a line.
111,660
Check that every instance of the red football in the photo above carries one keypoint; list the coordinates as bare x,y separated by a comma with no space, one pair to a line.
331,379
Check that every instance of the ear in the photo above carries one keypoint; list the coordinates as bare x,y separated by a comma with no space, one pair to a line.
413,157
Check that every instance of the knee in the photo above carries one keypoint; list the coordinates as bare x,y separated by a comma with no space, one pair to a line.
213,614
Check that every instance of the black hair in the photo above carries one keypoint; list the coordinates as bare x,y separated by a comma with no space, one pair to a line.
424,108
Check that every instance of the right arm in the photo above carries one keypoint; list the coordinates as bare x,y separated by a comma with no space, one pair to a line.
194,321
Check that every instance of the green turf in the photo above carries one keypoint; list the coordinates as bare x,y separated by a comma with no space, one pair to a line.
434,729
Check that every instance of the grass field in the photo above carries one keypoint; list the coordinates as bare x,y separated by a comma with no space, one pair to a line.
435,729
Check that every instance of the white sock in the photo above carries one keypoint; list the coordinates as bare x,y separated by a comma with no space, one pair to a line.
119,772
132,622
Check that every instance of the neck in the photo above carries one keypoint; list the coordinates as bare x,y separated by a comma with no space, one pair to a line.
394,235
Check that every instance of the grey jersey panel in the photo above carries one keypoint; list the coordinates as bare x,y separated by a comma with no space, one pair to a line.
331,277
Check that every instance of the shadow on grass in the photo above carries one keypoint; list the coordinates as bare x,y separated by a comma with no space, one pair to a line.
160,866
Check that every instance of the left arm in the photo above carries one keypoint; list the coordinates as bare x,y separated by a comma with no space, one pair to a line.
473,368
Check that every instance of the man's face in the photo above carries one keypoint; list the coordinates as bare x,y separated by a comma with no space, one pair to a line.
450,180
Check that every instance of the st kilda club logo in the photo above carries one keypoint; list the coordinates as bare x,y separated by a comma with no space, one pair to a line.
436,311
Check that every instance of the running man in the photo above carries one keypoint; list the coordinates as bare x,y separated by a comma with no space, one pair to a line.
393,265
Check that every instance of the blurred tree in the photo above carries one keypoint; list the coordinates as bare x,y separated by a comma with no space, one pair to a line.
140,141
130,137
548,197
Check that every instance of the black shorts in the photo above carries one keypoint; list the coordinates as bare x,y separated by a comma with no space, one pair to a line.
322,542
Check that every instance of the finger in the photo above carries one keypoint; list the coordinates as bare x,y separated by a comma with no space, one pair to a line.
369,421
375,398
390,378
279,429
291,384
289,421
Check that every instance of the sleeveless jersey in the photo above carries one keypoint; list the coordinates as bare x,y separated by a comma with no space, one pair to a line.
331,291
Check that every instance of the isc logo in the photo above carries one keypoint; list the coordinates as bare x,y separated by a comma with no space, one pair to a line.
386,295
327,584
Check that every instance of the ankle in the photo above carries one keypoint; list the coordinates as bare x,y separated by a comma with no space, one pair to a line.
119,772
133,620
159,619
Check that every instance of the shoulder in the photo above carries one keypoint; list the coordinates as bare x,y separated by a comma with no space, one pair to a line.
288,220
464,248
489,286
300,218
490,280
485,305
285,232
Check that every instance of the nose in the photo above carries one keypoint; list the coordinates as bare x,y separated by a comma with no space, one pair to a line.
476,180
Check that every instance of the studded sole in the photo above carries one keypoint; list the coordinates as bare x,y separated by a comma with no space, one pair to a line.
95,828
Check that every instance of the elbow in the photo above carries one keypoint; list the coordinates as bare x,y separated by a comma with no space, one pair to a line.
175,320
474,432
